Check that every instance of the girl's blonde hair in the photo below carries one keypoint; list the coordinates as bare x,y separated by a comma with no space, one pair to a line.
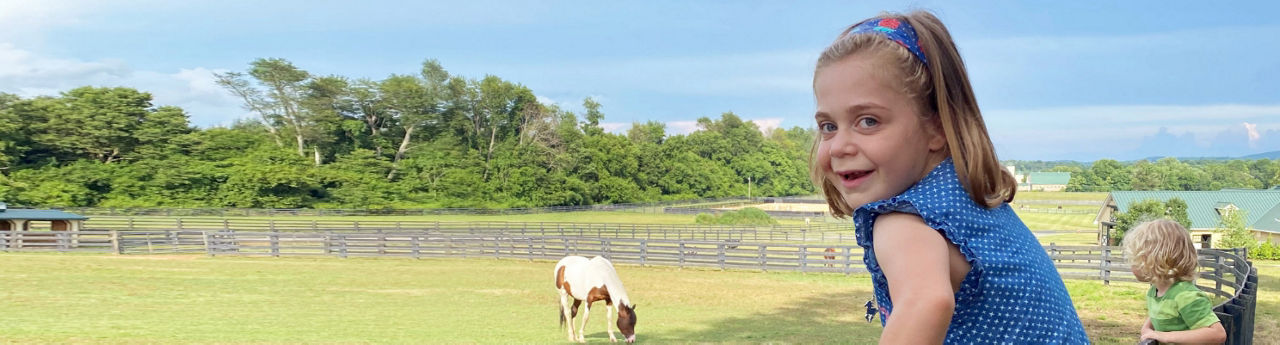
1160,251
942,92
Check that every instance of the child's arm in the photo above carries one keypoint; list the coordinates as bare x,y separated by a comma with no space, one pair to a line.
1214,334
1147,328
916,261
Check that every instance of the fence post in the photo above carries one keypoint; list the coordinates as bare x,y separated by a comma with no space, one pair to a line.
207,248
1217,272
644,252
804,258
115,242
720,255
764,262
848,261
275,244
682,254
382,243
342,246
1105,265
416,247
179,223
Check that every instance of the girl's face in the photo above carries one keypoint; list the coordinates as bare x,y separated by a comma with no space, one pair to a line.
874,143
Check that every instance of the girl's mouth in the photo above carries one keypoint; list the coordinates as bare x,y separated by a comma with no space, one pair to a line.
853,178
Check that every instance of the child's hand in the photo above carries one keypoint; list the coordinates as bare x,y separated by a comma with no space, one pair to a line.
1151,334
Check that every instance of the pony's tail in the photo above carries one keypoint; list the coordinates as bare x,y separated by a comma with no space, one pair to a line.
561,312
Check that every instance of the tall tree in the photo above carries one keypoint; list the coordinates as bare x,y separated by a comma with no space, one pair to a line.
254,100
284,91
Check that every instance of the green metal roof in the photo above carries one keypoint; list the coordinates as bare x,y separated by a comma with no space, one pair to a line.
39,215
1262,207
1270,221
1049,178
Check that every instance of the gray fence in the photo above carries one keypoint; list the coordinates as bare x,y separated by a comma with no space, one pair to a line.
651,207
812,232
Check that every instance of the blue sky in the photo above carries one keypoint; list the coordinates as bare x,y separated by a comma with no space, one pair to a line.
1055,80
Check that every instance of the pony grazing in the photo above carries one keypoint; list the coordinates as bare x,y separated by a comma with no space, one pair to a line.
829,255
593,280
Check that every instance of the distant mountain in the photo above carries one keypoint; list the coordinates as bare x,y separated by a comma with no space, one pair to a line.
1268,155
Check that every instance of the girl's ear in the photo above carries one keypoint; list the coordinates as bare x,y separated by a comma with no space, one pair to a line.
937,138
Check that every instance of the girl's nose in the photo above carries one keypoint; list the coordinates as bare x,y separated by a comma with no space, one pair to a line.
843,145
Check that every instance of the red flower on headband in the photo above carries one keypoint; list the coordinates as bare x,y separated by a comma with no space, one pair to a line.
888,23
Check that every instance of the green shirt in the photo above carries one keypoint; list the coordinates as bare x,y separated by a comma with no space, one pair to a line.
1183,307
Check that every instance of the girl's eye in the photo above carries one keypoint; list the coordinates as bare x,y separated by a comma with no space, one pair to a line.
867,122
827,127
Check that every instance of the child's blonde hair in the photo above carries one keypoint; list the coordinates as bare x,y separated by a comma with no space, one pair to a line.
1161,251
943,93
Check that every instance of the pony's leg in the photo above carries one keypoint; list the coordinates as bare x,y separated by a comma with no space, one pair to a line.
564,311
609,315
586,313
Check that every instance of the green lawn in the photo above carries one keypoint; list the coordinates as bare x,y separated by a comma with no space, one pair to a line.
1076,196
196,299
1055,221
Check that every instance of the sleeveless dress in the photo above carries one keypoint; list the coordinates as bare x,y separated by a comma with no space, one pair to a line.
1012,293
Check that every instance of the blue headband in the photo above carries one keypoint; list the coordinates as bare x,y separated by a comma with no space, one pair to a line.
896,30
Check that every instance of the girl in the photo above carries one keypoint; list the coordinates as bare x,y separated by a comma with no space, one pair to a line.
1160,252
902,148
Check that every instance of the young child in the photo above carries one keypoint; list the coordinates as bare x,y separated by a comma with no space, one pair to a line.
902,148
1160,252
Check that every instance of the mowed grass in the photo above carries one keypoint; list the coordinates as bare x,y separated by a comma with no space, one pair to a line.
51,298
59,298
1058,221
1076,196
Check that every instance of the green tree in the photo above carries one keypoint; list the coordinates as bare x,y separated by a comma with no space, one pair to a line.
1235,233
1147,210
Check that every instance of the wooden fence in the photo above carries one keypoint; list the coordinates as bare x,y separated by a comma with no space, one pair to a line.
650,207
813,232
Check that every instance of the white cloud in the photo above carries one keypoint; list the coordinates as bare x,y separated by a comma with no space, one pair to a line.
1133,131
681,127
1251,130
29,74
768,124
615,127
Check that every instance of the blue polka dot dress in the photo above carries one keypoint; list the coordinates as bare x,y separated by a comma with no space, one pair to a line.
1012,293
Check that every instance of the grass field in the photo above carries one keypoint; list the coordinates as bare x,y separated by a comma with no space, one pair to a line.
60,298
1076,196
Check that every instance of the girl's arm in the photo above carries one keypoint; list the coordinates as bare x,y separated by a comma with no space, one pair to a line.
916,261
1214,334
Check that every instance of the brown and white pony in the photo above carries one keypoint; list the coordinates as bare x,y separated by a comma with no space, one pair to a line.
829,255
593,280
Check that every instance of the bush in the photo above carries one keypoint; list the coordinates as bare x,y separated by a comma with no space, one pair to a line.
745,216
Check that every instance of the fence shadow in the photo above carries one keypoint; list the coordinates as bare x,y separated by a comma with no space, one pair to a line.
821,319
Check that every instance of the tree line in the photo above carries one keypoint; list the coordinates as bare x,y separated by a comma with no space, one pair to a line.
422,139
1168,173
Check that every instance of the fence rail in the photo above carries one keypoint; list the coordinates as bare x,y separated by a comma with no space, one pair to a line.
812,232
650,207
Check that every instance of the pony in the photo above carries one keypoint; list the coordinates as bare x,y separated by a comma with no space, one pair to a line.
580,279
829,255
